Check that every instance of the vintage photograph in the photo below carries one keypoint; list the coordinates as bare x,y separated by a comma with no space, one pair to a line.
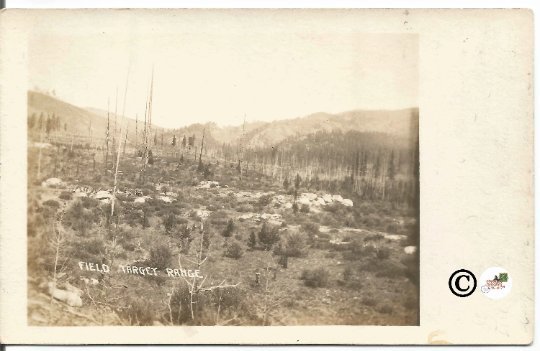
189,173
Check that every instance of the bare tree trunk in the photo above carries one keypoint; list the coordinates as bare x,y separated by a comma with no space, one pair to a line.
107,137
39,156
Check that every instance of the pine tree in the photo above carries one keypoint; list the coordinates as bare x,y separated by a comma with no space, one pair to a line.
297,181
169,223
286,183
252,242
227,233
48,126
268,236
391,171
145,222
40,121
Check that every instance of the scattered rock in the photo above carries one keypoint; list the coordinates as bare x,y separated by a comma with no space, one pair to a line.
347,202
207,184
41,145
102,195
141,200
394,236
409,250
202,213
272,218
53,183
165,199
69,297
337,198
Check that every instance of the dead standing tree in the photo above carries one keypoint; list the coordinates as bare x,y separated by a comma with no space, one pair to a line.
147,129
136,135
241,151
194,287
200,167
40,147
107,135
115,184
272,297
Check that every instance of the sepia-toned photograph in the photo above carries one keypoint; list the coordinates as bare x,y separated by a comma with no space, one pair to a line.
190,174
267,176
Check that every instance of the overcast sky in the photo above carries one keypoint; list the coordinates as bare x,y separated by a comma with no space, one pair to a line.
218,67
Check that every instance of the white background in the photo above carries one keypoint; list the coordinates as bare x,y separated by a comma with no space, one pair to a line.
289,4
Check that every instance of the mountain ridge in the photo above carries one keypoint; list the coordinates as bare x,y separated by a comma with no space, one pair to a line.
402,122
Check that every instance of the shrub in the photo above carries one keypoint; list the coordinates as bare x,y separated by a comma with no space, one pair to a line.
51,203
383,253
295,245
390,270
65,195
410,303
385,309
89,249
212,207
311,228
265,200
138,311
268,236
227,233
234,250
373,237
304,208
88,202
79,218
169,223
244,208
160,257
412,270
369,301
393,227
315,278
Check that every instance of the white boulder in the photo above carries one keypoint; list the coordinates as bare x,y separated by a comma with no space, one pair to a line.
207,184
338,198
409,250
141,199
327,198
309,196
202,213
165,199
347,202
102,195
69,297
41,145
319,201
53,183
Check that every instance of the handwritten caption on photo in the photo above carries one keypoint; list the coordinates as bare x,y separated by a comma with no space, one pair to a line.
141,270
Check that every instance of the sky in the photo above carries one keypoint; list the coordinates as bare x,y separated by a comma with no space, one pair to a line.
218,67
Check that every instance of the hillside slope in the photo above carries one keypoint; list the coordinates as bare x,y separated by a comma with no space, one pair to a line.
400,123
